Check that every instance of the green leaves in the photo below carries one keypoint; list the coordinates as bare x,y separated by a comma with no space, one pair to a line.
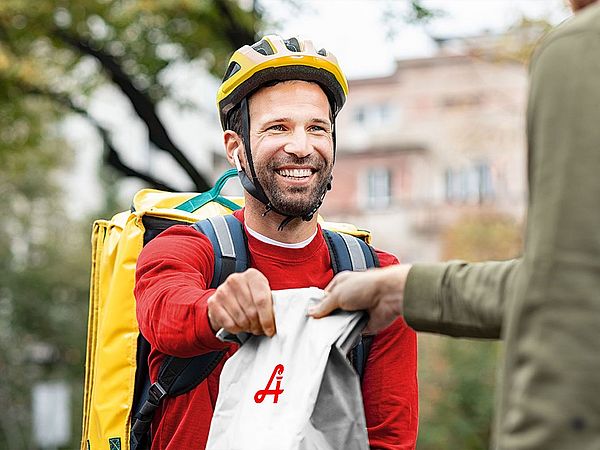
67,50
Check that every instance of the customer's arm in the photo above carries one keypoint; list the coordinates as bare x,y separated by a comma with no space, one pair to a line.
458,298
455,298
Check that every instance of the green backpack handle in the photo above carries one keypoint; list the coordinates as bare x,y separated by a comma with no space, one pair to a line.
212,195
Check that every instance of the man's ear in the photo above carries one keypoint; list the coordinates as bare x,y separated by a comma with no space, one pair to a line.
233,142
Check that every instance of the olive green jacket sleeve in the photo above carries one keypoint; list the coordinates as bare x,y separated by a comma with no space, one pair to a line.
459,299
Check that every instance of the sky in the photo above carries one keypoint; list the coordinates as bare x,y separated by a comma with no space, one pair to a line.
356,31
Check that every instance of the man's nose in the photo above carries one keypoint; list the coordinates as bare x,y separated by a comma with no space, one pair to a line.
299,144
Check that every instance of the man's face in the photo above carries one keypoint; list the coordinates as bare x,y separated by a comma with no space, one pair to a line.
292,145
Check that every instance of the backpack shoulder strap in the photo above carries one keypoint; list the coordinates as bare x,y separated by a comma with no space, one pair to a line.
351,253
228,239
176,376
180,375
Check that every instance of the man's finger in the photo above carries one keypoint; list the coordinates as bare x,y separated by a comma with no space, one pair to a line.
263,302
236,314
224,319
244,297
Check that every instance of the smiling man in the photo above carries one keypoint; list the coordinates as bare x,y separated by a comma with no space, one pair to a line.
277,105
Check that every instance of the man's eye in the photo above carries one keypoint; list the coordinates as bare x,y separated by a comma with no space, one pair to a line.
317,128
277,127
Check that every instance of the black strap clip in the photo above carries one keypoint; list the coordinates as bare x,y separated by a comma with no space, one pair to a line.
156,393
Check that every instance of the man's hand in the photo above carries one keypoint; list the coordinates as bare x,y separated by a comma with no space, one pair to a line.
379,291
243,303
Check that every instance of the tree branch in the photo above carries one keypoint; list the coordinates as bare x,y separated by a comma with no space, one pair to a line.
111,156
142,104
237,35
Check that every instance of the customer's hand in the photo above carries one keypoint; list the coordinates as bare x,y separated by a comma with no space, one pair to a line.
379,291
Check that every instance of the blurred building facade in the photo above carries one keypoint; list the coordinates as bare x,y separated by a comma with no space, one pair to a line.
439,138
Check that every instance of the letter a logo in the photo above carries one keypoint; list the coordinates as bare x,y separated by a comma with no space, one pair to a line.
277,375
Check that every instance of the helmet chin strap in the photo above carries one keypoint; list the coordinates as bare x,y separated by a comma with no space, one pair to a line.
253,186
247,183
258,193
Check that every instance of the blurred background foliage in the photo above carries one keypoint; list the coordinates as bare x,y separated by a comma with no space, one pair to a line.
457,377
43,266
62,51
54,54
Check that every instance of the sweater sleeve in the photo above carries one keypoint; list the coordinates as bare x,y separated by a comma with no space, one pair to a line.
390,389
459,299
172,277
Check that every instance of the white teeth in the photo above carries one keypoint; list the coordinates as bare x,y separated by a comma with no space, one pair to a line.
296,173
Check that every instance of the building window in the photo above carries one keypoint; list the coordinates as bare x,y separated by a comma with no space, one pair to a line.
469,184
359,115
484,177
374,115
378,188
449,183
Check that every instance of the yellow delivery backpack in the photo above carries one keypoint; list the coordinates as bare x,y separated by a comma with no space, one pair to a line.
116,379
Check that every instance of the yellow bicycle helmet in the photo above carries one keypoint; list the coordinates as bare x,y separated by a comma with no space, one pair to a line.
276,59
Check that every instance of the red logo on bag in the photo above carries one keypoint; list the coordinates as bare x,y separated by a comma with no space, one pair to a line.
262,394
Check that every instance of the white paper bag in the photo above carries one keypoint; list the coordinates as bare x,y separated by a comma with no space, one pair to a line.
296,390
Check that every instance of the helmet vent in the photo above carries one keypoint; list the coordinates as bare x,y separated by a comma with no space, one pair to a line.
263,47
322,52
233,68
292,44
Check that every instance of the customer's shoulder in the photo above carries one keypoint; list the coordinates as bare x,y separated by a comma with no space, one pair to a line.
586,21
576,38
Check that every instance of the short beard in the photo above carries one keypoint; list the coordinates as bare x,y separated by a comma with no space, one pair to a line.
289,202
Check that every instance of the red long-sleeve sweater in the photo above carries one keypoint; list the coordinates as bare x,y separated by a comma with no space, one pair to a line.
173,272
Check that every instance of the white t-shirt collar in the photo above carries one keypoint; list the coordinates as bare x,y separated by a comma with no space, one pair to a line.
268,240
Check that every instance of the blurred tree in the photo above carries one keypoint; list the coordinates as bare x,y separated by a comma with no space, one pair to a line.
43,270
64,50
522,38
482,236
457,376
415,13
457,382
